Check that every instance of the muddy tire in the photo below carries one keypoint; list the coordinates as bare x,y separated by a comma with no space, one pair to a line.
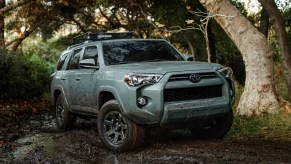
117,133
216,128
64,118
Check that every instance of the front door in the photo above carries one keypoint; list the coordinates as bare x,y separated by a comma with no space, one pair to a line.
88,81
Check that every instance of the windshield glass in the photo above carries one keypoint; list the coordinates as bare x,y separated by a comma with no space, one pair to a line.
122,52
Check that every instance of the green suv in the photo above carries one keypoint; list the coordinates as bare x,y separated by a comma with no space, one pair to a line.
135,84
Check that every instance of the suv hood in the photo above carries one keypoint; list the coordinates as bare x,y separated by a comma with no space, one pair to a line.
163,67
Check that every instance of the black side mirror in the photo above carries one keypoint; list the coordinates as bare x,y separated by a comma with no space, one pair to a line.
88,63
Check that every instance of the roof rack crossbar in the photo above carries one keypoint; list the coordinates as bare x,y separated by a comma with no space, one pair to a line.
102,36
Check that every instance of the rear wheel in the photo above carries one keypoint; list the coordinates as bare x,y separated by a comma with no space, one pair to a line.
64,118
215,128
117,132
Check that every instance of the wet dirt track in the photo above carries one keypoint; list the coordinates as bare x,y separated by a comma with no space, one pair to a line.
37,141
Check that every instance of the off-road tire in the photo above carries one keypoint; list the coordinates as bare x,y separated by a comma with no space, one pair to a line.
64,118
122,134
217,128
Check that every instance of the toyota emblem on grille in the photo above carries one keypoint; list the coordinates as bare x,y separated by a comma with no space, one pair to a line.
194,78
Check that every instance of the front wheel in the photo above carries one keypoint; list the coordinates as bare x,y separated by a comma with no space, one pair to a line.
215,128
117,132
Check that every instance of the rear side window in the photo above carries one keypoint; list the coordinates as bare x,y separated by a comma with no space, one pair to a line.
62,61
91,52
74,61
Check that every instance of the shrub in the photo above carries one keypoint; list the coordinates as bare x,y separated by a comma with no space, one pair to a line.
22,75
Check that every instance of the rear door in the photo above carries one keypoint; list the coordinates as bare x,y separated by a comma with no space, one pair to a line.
71,79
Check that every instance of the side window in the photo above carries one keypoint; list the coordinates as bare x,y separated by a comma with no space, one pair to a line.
74,61
62,61
91,52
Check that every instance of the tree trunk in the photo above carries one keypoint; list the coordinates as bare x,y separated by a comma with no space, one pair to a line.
14,5
282,37
19,41
212,49
191,48
264,24
2,24
260,95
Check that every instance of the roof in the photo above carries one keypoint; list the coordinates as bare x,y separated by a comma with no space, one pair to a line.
91,37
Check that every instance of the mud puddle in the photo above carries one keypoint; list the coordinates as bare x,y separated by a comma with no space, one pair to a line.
28,144
38,141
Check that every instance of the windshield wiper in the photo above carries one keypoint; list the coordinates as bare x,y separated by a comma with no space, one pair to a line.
123,62
126,62
156,60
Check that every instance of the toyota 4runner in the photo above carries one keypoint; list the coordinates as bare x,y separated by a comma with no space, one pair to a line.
133,84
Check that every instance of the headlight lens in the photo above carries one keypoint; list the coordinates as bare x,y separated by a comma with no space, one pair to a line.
226,72
141,79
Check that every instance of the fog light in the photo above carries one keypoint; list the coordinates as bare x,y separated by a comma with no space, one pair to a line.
141,101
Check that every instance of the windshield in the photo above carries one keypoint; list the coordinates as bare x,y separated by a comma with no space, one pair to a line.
122,52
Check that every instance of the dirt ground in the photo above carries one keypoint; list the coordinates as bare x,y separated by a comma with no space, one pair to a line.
36,140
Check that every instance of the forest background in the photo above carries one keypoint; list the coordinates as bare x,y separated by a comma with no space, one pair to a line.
34,32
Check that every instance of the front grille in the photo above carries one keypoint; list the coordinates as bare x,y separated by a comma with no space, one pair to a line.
184,94
205,75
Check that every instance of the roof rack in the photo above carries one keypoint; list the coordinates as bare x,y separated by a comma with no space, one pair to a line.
102,36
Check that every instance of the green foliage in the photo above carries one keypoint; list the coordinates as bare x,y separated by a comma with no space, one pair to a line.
271,126
39,74
27,74
280,81
197,40
12,73
175,12
48,50
287,18
22,76
240,7
44,18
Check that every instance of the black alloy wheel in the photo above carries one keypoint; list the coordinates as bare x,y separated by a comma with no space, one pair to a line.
115,127
64,118
117,132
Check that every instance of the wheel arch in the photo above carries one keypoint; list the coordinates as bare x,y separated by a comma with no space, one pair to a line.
57,91
103,97
56,94
106,94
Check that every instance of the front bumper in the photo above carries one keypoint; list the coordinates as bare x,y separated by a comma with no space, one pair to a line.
194,110
159,112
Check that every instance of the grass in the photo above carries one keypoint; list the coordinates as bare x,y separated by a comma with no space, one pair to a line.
267,126
281,82
270,126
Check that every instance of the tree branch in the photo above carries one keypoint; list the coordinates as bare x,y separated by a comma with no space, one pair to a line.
91,20
151,22
79,25
23,36
106,17
15,5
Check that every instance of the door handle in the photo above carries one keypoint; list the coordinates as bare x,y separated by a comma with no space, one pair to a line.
78,78
63,78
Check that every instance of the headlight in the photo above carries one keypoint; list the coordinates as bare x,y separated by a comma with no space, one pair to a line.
142,79
226,72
